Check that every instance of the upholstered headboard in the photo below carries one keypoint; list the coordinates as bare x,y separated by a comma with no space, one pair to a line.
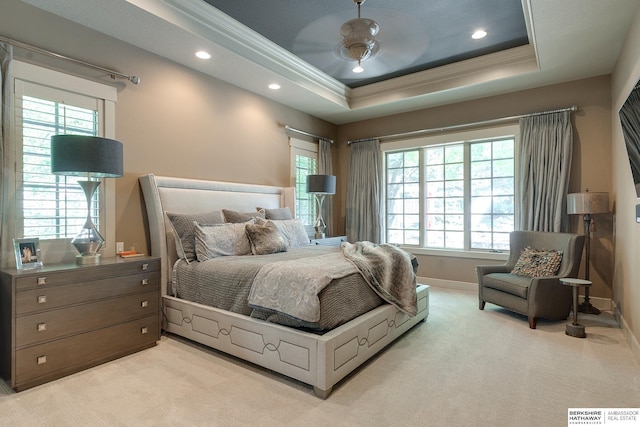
180,195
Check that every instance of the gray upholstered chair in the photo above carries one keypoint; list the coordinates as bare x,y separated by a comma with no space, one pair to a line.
534,297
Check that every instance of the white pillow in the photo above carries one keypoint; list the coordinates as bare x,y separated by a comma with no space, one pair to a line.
221,240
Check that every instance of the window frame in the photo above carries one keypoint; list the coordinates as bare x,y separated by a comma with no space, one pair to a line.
60,250
443,137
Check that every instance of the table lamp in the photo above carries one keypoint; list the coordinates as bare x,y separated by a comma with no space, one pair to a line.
93,157
587,204
320,186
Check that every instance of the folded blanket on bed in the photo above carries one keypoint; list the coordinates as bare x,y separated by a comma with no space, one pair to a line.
388,270
292,287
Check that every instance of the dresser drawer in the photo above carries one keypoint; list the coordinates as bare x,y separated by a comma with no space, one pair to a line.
39,327
50,297
71,274
42,363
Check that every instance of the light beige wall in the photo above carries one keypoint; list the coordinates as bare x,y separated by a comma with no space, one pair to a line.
176,122
626,278
591,158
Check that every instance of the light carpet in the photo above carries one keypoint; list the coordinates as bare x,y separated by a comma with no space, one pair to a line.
462,367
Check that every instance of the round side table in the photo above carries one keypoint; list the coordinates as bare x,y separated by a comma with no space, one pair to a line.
575,329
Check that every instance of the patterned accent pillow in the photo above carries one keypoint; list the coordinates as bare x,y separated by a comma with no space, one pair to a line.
278,213
221,240
236,217
184,228
537,263
293,231
265,238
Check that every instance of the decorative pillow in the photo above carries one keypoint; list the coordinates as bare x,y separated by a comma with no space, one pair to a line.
265,238
184,227
221,240
293,231
236,217
278,213
537,263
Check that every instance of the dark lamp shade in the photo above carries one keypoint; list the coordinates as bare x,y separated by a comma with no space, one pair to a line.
81,155
321,184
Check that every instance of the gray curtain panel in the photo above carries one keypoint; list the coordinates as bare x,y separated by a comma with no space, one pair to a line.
325,168
364,195
630,121
6,204
545,164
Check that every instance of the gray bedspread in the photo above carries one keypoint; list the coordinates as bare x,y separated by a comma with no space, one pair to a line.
226,282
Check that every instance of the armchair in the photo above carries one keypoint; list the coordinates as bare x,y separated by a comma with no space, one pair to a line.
534,297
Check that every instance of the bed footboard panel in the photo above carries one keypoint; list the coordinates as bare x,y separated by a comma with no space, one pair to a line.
345,348
281,349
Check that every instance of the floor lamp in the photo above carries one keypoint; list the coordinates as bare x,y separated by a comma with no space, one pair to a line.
91,157
320,186
587,204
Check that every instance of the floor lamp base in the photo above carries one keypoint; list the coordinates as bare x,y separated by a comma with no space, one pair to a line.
587,308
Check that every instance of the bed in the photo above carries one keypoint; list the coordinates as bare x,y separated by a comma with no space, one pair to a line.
318,358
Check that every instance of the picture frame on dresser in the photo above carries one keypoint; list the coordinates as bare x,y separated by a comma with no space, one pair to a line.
27,252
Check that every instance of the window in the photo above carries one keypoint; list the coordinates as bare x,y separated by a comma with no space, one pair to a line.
452,195
53,207
304,161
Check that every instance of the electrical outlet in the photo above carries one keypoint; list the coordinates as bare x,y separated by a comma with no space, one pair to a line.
119,247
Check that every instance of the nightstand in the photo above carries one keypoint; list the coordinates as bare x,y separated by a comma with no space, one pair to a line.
329,241
61,319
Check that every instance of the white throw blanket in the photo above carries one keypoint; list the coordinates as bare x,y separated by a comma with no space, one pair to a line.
277,286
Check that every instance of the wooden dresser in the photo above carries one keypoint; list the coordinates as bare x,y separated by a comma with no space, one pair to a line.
61,319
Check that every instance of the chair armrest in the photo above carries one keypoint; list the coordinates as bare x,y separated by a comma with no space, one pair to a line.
488,269
549,298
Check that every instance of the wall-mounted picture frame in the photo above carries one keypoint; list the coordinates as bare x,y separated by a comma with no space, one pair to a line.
27,252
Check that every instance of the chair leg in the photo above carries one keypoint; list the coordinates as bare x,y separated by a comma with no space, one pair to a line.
481,305
532,322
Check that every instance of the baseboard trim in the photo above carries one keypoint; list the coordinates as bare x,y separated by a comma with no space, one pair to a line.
626,331
449,284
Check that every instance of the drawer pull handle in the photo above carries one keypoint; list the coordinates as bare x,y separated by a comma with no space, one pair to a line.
42,327
145,266
42,360
145,281
42,280
144,303
42,299
144,330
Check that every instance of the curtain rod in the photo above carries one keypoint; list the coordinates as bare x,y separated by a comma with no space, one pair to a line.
301,132
467,125
133,79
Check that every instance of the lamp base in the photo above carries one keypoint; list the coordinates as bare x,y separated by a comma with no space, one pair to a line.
587,308
87,259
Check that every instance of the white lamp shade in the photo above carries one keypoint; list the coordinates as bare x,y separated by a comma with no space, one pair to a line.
587,203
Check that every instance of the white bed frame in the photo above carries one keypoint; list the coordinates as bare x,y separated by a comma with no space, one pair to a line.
318,360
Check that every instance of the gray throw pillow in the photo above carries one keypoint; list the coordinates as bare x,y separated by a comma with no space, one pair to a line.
184,228
235,216
221,240
277,213
265,238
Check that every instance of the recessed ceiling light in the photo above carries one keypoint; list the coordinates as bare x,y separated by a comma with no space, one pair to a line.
274,86
479,34
203,55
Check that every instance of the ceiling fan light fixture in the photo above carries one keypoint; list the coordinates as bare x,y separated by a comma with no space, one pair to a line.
358,68
359,39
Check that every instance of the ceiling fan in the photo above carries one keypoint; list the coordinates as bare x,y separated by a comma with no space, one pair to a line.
334,43
359,39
